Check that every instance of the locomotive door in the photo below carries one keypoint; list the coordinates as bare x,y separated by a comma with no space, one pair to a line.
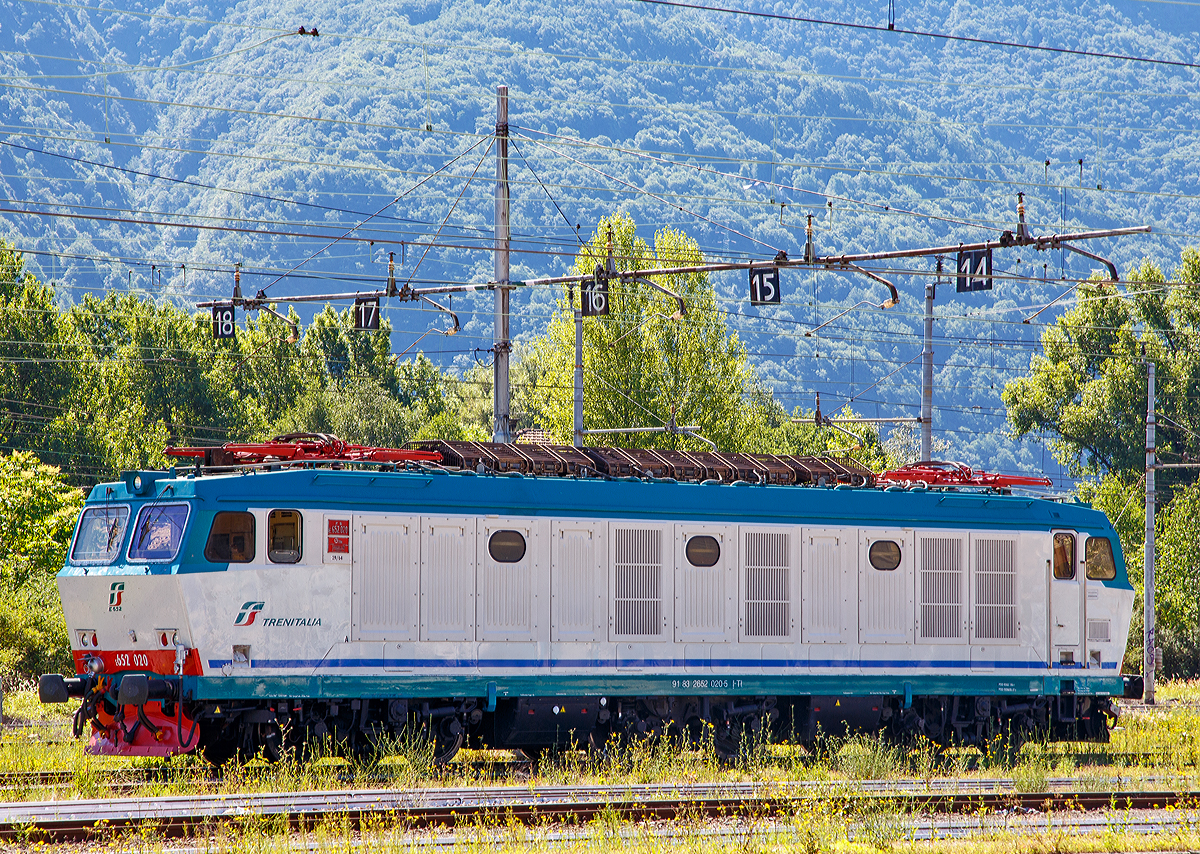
383,579
1066,600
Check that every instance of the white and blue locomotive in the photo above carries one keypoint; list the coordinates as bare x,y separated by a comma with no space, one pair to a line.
239,607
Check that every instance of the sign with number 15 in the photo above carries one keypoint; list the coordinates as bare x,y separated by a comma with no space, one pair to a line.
764,286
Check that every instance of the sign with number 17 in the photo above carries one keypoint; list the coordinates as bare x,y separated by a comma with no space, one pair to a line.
366,314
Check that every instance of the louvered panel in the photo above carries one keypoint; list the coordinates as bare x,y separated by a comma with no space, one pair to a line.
768,597
995,589
385,581
941,588
824,570
637,582
577,585
448,580
506,595
1099,631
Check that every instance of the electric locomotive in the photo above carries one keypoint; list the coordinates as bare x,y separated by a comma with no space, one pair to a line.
258,597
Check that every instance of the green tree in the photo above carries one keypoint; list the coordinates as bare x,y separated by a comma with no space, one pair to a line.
271,371
37,370
646,366
332,345
37,515
148,376
1087,390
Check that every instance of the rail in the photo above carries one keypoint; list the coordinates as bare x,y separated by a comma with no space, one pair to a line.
450,807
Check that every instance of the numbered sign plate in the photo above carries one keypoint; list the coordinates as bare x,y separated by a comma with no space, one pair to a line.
224,320
975,270
595,297
366,314
764,286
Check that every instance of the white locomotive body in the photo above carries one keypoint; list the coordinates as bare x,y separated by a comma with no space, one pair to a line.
256,609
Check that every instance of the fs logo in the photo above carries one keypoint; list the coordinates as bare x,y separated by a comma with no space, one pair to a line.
115,590
249,611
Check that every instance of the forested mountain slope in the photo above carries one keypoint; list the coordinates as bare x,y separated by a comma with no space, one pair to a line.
731,127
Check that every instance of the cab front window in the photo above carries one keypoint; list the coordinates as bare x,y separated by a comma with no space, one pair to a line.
158,533
100,534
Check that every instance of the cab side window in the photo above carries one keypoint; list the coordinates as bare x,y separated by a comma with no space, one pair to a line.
1064,556
1098,557
283,536
231,538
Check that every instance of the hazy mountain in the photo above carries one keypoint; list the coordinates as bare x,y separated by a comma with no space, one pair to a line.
224,116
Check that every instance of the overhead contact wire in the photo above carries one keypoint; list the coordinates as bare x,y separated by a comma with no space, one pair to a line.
381,210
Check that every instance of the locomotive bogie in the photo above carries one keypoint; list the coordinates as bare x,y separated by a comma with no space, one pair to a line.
284,606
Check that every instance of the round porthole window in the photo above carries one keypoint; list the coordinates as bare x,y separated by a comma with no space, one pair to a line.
703,551
885,555
506,546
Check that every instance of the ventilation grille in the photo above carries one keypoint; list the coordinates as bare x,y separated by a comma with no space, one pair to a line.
941,588
638,589
823,604
574,584
1099,630
385,584
995,590
767,578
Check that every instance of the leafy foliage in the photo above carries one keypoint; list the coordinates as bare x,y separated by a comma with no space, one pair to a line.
645,364
1088,391
37,515
1088,386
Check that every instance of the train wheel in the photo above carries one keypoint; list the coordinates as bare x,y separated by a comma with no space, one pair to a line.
536,754
265,740
447,739
219,751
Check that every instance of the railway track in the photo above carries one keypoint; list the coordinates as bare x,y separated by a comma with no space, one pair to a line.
449,807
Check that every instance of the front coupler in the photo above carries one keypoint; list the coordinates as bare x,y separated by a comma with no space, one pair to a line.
131,714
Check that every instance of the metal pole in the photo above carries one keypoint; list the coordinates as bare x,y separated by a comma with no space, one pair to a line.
927,373
1149,655
502,424
578,432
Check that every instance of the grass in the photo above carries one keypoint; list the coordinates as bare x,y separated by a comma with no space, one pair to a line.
1162,743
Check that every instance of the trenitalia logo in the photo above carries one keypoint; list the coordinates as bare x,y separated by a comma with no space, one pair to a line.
115,590
249,611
